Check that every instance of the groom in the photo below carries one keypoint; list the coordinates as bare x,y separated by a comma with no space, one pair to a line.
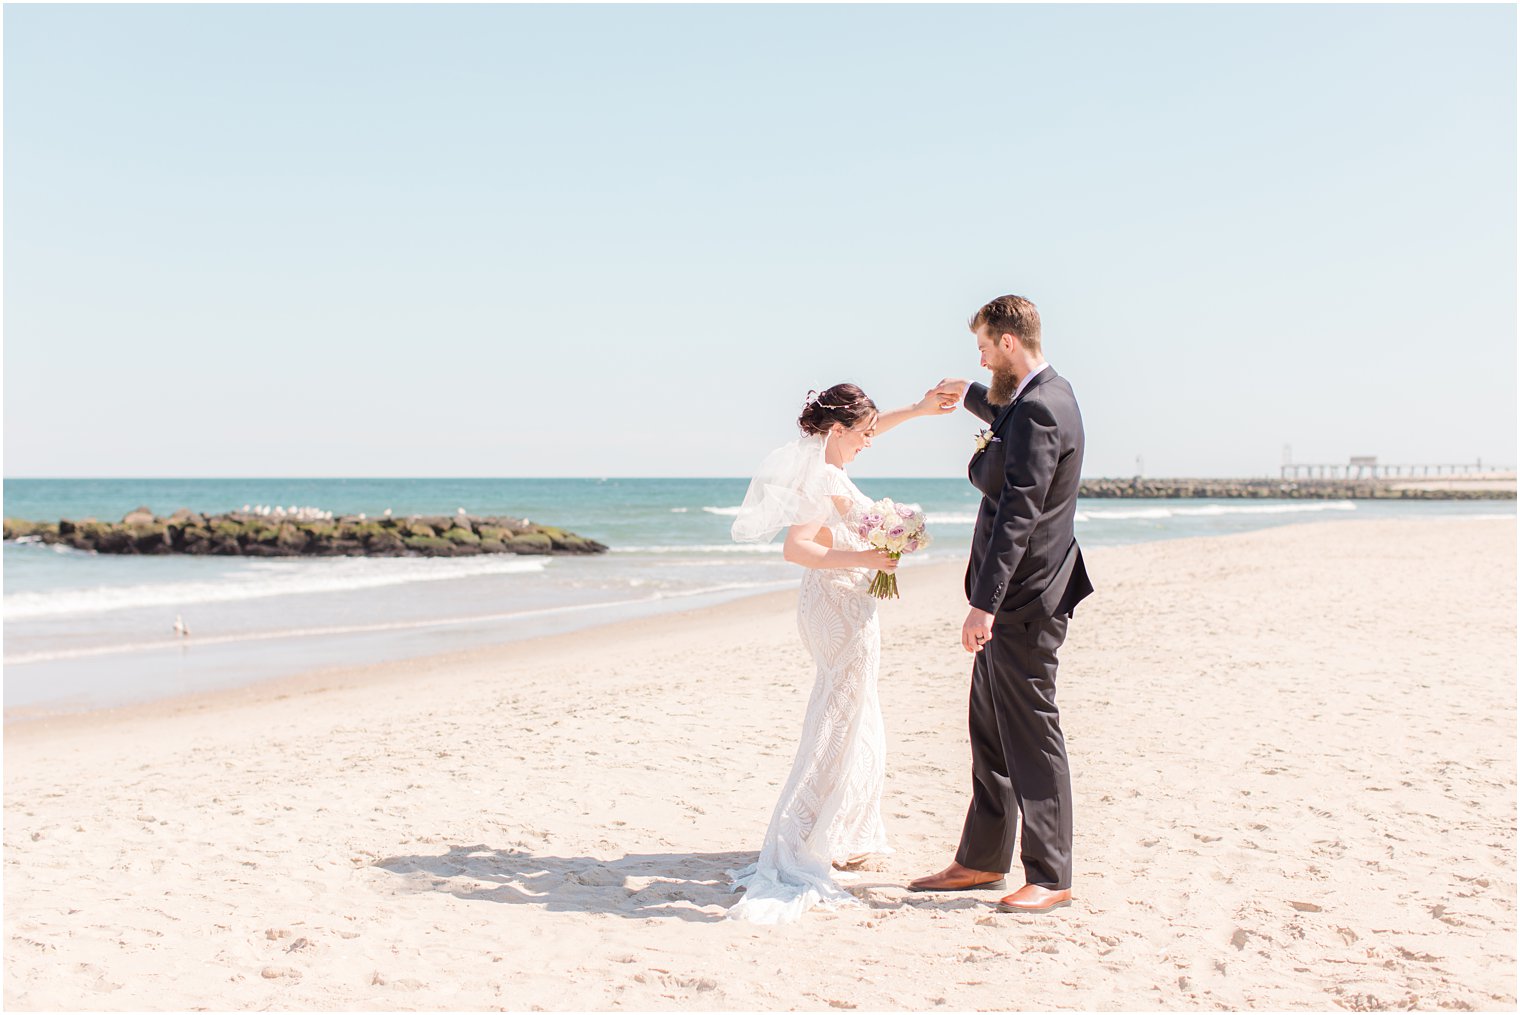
1024,580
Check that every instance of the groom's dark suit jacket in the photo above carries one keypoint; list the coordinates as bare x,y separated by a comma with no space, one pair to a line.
1025,562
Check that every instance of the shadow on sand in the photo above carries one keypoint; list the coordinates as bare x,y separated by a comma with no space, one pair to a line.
640,886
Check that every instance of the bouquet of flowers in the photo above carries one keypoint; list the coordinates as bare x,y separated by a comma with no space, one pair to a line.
896,528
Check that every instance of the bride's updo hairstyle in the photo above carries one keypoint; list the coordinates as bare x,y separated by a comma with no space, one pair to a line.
843,403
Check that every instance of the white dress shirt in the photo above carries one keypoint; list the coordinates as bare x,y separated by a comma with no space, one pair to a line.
1027,378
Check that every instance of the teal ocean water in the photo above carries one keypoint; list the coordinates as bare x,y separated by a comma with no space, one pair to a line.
85,630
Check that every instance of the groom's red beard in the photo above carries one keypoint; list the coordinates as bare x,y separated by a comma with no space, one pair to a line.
1004,384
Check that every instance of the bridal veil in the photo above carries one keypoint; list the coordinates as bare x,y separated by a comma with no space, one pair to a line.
792,487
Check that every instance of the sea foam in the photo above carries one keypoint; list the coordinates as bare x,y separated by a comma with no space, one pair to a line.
699,548
1213,510
262,579
21,659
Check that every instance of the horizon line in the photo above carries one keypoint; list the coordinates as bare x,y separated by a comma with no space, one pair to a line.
592,478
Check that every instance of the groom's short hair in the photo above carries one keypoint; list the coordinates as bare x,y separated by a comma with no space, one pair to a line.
1011,315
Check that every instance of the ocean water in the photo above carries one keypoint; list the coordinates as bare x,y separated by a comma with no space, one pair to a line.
89,630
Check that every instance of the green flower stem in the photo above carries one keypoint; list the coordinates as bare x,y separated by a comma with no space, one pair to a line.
884,585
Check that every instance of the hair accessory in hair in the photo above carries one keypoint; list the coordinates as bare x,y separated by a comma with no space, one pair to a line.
813,398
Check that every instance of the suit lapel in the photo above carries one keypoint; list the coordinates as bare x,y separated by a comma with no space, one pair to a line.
1004,413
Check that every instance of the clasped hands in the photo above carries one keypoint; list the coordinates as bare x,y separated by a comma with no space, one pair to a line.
943,398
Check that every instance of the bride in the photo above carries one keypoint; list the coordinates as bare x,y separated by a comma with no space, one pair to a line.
829,814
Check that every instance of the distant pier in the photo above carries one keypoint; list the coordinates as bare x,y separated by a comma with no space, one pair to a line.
1369,468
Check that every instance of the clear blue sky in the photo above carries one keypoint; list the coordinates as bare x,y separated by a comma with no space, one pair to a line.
596,241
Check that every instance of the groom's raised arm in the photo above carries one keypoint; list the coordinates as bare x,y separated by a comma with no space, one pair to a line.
975,400
1033,450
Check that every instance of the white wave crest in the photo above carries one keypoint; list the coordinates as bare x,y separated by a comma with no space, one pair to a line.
730,511
951,517
703,548
1213,510
262,579
1144,513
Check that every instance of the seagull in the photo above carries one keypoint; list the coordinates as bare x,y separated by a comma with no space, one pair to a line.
179,626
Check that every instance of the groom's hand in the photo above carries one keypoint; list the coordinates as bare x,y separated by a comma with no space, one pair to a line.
937,402
976,632
949,392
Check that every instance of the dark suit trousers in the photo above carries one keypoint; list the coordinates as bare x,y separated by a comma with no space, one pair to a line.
1018,756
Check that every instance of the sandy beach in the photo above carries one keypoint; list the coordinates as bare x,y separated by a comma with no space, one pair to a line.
1293,753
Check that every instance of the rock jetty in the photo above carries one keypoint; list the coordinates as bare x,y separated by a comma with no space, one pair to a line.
1278,489
258,533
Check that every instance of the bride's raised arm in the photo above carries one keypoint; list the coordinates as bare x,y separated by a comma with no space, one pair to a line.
937,401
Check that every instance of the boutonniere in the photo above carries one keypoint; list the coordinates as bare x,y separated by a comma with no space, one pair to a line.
985,438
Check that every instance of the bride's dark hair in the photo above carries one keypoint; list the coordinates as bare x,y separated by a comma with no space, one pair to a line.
843,403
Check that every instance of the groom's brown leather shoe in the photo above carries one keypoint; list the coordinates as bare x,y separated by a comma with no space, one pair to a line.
1035,899
956,878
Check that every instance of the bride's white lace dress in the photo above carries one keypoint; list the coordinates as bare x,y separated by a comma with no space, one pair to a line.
830,807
